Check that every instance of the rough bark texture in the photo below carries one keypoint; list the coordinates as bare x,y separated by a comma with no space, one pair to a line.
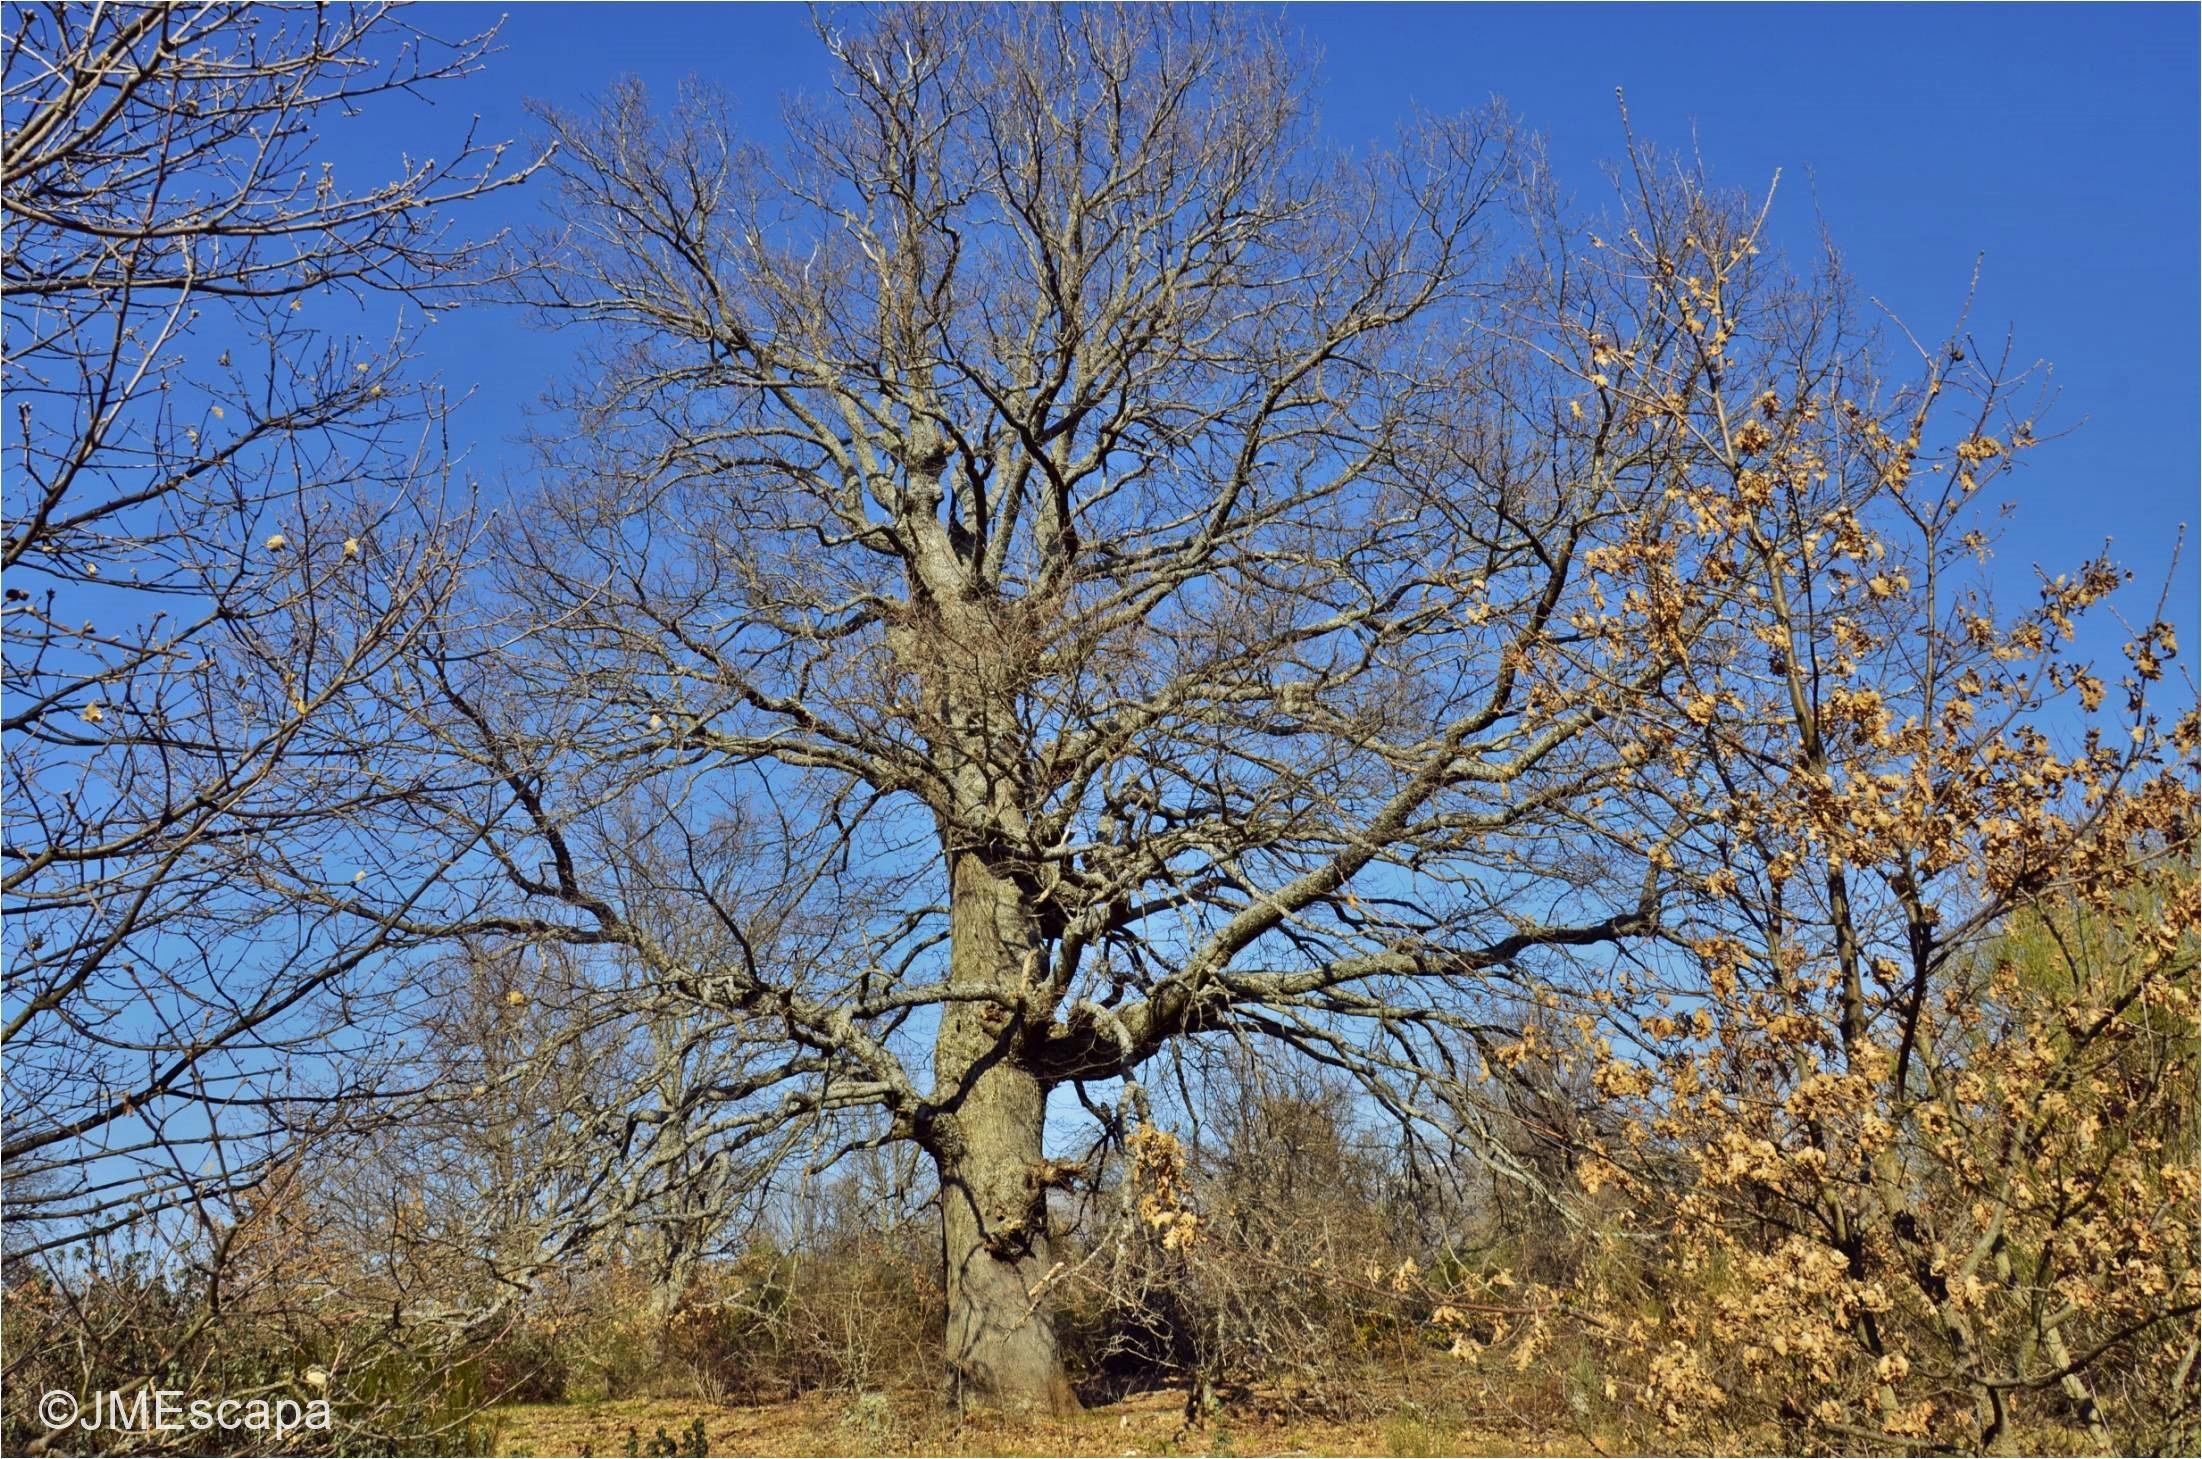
1002,1350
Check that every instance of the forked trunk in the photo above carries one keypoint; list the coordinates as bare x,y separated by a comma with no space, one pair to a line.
990,1152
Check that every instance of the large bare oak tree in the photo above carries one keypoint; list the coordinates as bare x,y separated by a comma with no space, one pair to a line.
1144,558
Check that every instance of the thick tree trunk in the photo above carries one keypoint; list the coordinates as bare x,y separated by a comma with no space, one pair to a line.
990,1151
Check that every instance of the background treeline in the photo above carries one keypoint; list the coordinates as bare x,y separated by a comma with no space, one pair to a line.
1289,1253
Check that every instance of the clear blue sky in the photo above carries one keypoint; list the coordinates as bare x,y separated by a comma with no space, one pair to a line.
2058,142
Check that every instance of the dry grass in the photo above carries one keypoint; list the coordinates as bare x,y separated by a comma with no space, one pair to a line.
1152,1423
